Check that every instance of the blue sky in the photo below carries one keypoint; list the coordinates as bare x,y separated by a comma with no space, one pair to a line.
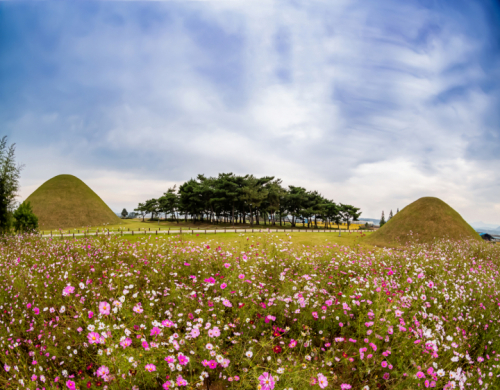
371,103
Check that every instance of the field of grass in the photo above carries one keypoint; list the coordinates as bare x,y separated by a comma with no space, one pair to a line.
278,311
139,225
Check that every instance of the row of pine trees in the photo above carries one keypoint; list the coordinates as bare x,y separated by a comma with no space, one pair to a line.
230,198
382,219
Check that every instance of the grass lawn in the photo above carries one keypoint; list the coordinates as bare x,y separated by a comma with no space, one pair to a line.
139,225
240,240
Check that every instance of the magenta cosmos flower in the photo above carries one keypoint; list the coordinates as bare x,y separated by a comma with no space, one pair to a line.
70,385
183,360
266,381
104,308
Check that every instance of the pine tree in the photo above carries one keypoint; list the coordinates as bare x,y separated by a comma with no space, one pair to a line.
397,211
382,220
124,213
390,216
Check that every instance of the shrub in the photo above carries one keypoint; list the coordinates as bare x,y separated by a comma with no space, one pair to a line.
164,313
24,219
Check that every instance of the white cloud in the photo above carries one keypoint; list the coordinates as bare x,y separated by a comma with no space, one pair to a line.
362,115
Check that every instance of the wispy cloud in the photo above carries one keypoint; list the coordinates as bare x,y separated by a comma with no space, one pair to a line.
374,103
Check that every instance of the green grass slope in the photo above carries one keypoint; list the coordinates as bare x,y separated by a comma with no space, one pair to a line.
425,220
65,201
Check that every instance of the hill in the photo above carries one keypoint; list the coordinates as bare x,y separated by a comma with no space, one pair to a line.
425,220
65,201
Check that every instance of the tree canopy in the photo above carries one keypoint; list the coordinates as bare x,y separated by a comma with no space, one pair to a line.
9,183
235,199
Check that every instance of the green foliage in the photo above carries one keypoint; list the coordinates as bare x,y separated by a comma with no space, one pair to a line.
124,213
9,183
24,219
382,219
229,198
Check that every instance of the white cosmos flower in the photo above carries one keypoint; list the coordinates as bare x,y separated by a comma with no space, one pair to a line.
249,354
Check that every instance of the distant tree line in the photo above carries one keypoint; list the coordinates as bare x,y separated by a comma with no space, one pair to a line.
230,198
382,219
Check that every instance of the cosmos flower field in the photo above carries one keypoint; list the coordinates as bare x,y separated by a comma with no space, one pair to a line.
171,314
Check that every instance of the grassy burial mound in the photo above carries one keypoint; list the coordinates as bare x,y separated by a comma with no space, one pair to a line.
425,220
65,201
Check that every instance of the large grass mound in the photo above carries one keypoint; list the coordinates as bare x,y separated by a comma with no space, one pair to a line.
425,220
66,201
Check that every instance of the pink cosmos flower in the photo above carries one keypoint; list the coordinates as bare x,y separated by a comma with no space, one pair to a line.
293,343
36,310
195,333
183,360
227,265
315,314
329,302
70,385
150,367
374,347
180,381
102,371
322,381
384,364
145,345
409,280
430,284
68,290
126,343
138,308
345,386
166,385
223,286
91,314
227,303
94,338
266,381
386,376
420,375
167,323
155,331
241,276
212,364
170,359
104,308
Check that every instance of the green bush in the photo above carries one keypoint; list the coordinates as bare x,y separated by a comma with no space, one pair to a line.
24,219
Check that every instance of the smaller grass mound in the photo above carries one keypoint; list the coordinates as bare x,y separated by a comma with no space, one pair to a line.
426,220
65,201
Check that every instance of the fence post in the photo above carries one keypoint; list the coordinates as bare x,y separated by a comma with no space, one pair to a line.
132,232
51,234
